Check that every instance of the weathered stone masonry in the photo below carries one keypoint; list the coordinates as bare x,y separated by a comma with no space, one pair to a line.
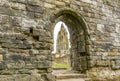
26,36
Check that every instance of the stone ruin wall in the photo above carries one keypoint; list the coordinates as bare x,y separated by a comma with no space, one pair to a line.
26,39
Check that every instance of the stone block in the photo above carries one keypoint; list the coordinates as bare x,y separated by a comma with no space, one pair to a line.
15,65
38,15
40,58
24,71
36,45
21,1
112,53
1,57
48,5
24,46
16,21
35,77
115,50
29,65
103,63
115,64
20,58
46,52
2,51
45,39
50,57
7,72
97,57
8,45
6,28
89,48
6,78
2,66
28,23
60,3
25,31
34,52
50,1
49,77
27,43
4,3
101,28
42,45
30,14
6,11
40,33
30,8
22,77
36,32
35,2
86,9
67,1
38,9
81,47
4,19
18,1
87,1
43,64
18,6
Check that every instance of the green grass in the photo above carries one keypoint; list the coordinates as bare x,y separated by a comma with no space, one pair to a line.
61,65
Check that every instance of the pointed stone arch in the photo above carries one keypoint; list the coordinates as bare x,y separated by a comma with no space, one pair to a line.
79,34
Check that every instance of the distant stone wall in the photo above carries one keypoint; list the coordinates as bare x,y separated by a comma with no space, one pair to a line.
62,47
62,41
26,36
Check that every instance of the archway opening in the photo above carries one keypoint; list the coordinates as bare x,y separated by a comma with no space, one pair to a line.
79,55
61,46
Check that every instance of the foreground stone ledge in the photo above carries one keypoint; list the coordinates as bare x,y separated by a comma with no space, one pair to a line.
104,74
26,77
